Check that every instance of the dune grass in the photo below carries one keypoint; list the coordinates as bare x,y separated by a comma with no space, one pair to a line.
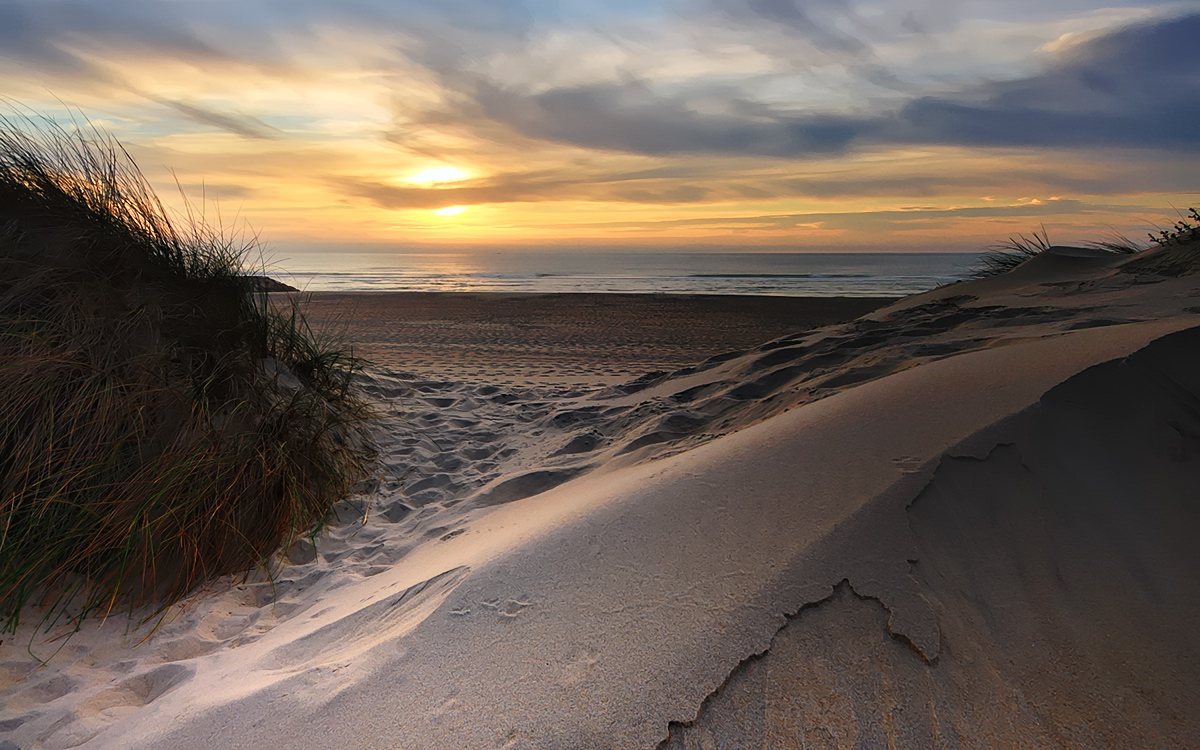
1005,256
162,420
1182,232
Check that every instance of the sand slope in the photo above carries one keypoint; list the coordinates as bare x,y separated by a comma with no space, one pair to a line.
963,521
1058,564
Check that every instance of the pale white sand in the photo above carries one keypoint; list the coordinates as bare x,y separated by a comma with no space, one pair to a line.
966,520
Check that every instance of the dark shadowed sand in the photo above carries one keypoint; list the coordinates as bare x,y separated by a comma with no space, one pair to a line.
512,339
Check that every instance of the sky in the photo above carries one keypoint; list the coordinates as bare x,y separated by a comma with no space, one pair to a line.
701,124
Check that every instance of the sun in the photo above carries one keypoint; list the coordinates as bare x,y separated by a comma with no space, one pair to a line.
438,175
450,211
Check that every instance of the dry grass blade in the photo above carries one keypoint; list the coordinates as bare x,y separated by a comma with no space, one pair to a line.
161,421
1119,244
1007,255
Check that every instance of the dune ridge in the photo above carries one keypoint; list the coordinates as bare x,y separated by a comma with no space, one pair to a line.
962,520
1040,570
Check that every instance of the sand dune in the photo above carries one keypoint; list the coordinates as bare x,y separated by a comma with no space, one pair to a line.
964,520
1057,563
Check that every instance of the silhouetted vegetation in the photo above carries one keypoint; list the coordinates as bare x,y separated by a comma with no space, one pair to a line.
1182,231
1005,256
161,421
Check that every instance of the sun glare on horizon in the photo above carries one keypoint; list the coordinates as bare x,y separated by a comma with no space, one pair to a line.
450,211
436,175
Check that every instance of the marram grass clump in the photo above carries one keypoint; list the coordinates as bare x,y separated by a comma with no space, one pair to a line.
1006,256
162,422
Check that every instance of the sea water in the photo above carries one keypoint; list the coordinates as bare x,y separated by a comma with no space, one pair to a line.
773,273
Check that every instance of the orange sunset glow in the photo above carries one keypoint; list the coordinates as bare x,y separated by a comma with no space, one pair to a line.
656,126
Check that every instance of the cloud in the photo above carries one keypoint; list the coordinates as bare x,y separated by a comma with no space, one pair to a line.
878,220
66,37
931,16
690,181
522,188
205,192
1137,86
238,124
676,194
816,21
86,38
632,117
115,47
22,40
503,189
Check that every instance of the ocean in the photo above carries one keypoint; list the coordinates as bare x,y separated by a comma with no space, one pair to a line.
784,274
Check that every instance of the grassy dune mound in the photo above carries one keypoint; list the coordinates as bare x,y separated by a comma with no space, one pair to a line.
161,422
1006,256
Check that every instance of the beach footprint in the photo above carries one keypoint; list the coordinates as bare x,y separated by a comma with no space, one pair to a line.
91,715
506,608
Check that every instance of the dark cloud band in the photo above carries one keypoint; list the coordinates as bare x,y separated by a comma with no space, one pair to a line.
1138,86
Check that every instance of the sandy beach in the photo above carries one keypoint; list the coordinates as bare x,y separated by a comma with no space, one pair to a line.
962,519
563,339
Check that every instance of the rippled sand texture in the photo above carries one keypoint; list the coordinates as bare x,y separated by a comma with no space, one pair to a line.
564,339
